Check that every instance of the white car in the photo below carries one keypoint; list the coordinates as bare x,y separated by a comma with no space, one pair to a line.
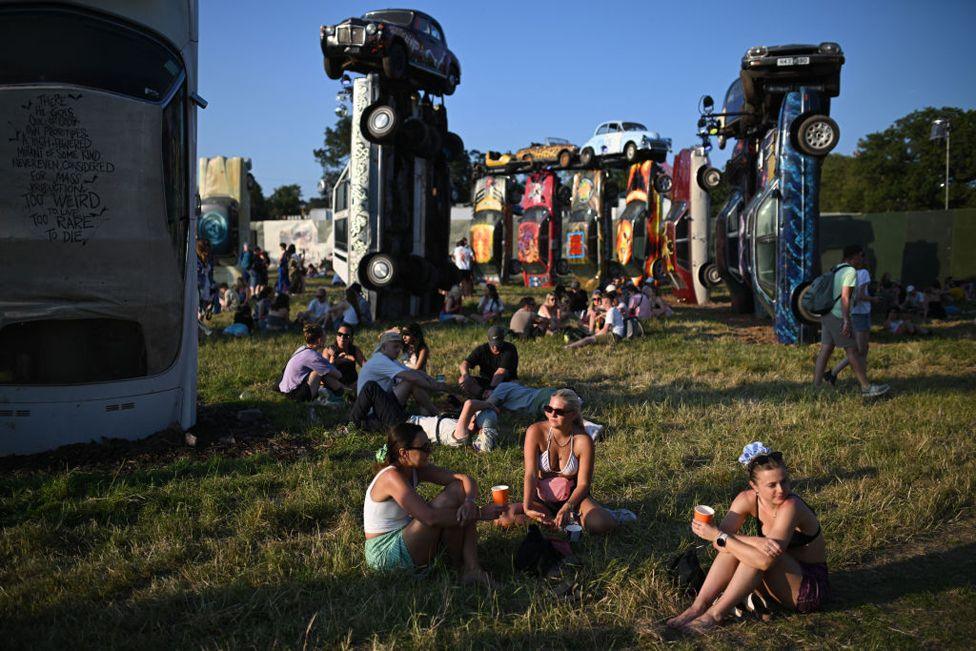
630,139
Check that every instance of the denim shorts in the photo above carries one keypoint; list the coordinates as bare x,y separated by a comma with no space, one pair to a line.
861,322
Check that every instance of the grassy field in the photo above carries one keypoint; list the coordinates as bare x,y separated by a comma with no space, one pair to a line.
253,538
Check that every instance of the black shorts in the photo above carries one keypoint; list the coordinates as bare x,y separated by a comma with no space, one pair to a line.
465,274
301,393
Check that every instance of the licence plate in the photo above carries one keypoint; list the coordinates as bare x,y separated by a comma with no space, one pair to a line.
353,49
793,61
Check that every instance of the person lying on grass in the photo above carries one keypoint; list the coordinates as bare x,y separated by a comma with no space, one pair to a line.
786,560
558,456
405,531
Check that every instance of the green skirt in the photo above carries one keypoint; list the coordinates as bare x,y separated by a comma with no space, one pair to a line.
388,552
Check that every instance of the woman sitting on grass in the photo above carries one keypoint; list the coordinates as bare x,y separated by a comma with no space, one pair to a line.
786,560
415,349
405,531
558,457
897,324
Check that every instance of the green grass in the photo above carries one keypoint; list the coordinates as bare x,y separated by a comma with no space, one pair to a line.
257,541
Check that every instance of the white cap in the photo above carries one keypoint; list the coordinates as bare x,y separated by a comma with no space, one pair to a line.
910,288
610,288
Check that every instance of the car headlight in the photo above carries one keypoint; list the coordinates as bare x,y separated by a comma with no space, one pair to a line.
371,29
830,48
758,51
329,30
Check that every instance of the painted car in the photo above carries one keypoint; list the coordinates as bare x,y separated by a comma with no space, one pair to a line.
491,224
687,227
631,140
551,150
638,240
403,44
740,173
586,228
537,233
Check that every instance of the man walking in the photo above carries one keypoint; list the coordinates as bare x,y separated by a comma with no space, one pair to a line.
463,256
836,328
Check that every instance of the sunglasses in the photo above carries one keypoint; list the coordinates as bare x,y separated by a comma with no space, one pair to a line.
343,334
766,458
426,447
556,411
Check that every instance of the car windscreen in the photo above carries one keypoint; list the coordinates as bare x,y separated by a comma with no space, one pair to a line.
394,16
634,210
634,126
56,46
581,215
677,208
487,217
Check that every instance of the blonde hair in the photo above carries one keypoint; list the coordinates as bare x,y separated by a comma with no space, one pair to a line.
573,401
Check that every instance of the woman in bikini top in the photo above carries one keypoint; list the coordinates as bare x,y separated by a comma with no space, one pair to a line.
558,459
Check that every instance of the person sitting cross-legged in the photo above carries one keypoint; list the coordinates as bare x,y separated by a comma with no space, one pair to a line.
307,370
405,531
786,559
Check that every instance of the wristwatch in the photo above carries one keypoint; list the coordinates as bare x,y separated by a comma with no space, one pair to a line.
722,539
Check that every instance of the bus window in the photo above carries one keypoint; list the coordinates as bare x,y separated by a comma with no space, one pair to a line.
340,226
174,165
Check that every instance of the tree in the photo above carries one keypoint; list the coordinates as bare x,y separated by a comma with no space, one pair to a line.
285,200
334,154
461,174
259,205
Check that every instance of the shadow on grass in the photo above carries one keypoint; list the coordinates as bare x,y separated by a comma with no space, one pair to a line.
932,572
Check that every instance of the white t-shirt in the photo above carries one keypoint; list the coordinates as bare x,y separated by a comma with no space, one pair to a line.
861,307
616,321
439,429
380,369
462,257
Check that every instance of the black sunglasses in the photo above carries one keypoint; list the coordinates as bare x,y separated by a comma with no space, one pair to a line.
556,411
426,447
343,334
765,458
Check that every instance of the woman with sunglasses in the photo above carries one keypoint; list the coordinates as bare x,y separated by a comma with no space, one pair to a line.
345,355
405,531
786,559
558,458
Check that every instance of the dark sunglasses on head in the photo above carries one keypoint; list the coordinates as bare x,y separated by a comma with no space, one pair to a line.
765,458
426,447
556,411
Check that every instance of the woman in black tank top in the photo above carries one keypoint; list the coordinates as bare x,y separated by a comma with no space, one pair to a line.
785,561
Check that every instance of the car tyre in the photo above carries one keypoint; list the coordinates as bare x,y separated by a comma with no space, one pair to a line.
395,62
816,135
796,304
657,269
514,267
379,122
562,268
586,156
333,67
709,178
453,146
708,275
630,152
451,83
379,271
663,183
527,158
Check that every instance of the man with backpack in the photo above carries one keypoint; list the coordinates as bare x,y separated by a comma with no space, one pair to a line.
835,323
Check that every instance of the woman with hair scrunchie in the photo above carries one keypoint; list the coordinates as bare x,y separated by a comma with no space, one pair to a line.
405,531
785,560
558,457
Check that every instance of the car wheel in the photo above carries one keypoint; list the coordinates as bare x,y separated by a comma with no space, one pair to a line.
395,62
662,183
562,268
564,194
709,178
527,158
333,67
796,304
451,83
816,135
586,156
453,146
379,122
630,152
565,158
514,267
708,275
378,271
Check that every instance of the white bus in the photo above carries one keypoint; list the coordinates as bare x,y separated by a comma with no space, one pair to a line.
97,219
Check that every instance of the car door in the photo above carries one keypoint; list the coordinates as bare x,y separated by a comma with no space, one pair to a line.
425,56
438,48
613,142
764,242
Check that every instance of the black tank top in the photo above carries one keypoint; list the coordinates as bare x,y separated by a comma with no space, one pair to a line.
799,538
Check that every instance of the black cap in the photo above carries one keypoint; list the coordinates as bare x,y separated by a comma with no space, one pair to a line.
496,335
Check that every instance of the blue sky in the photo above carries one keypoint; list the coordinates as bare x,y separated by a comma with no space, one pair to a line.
549,68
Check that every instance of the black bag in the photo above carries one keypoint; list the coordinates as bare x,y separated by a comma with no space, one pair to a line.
686,572
536,555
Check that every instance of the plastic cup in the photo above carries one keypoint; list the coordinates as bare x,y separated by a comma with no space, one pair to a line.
499,494
573,531
704,513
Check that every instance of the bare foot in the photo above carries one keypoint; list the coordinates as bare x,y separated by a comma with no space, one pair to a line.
701,625
479,577
685,617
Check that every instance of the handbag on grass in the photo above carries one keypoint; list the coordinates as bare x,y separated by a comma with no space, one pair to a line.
686,572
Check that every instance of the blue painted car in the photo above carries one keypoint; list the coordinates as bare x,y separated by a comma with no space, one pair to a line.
630,140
